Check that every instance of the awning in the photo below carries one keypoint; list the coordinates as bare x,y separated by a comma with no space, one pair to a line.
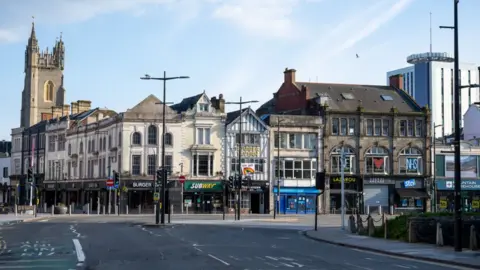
412,193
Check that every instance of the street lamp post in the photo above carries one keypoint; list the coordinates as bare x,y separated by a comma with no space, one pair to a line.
457,117
277,198
164,179
239,187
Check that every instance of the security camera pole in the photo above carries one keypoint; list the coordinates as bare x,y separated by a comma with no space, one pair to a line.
164,180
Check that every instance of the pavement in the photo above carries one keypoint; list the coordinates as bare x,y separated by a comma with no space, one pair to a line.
335,235
13,219
115,243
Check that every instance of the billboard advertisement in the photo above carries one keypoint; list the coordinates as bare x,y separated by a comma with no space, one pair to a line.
468,165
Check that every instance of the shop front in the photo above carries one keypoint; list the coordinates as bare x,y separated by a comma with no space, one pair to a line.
411,195
257,195
296,200
378,192
139,193
203,196
470,194
353,189
92,192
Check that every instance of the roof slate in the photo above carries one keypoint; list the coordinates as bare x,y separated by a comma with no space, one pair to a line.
368,96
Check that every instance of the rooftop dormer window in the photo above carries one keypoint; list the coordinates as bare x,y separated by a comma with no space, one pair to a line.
203,107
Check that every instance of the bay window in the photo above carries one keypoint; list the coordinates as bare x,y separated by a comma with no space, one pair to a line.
410,161
376,161
336,160
294,168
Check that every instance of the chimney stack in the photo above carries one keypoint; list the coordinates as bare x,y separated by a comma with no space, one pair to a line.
218,104
289,75
84,105
74,107
396,81
57,112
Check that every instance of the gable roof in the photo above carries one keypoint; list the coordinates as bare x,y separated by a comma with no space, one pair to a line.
233,117
187,103
149,105
373,98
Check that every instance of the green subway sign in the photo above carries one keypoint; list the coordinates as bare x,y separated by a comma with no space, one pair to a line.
203,186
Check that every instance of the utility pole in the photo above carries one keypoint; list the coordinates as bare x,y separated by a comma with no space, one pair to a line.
161,219
239,187
277,198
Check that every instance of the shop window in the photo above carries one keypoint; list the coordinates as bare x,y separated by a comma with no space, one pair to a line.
410,161
336,162
376,161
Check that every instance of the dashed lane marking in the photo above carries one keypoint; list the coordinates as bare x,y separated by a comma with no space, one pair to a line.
217,259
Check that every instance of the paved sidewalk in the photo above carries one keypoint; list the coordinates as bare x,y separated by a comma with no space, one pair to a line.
12,219
446,255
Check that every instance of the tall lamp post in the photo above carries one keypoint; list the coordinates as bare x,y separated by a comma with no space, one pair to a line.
239,186
164,179
457,117
277,198
434,184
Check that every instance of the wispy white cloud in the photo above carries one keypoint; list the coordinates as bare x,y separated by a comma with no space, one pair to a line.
265,18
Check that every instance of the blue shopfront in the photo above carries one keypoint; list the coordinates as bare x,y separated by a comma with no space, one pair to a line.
296,200
470,192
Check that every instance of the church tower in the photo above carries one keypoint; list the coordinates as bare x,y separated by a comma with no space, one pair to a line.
43,86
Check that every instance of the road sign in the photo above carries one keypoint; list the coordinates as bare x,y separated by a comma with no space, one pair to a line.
110,182
181,179
156,196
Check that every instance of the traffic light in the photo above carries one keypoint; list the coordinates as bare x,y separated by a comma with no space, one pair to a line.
159,178
230,182
116,179
30,175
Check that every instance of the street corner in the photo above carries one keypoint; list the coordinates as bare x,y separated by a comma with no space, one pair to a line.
35,219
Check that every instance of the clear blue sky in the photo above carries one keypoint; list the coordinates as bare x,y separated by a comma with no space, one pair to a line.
234,47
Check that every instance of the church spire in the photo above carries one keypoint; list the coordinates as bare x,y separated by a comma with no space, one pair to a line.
32,41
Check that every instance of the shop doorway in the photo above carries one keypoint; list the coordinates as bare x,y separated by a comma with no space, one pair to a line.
255,203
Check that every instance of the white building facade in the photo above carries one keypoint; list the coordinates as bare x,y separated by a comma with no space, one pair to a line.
254,165
5,163
432,83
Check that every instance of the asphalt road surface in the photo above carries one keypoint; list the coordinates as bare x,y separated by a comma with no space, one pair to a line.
125,245
37,246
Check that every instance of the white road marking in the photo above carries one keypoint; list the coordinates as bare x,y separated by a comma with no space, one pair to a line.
196,248
359,267
79,250
401,266
72,228
286,259
260,258
235,258
287,265
44,220
271,264
297,264
369,259
271,258
220,260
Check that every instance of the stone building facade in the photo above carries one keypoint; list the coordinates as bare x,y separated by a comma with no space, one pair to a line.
382,133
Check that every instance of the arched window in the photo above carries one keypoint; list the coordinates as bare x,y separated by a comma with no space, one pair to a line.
48,91
336,161
136,138
81,148
376,161
410,161
168,139
152,135
69,149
